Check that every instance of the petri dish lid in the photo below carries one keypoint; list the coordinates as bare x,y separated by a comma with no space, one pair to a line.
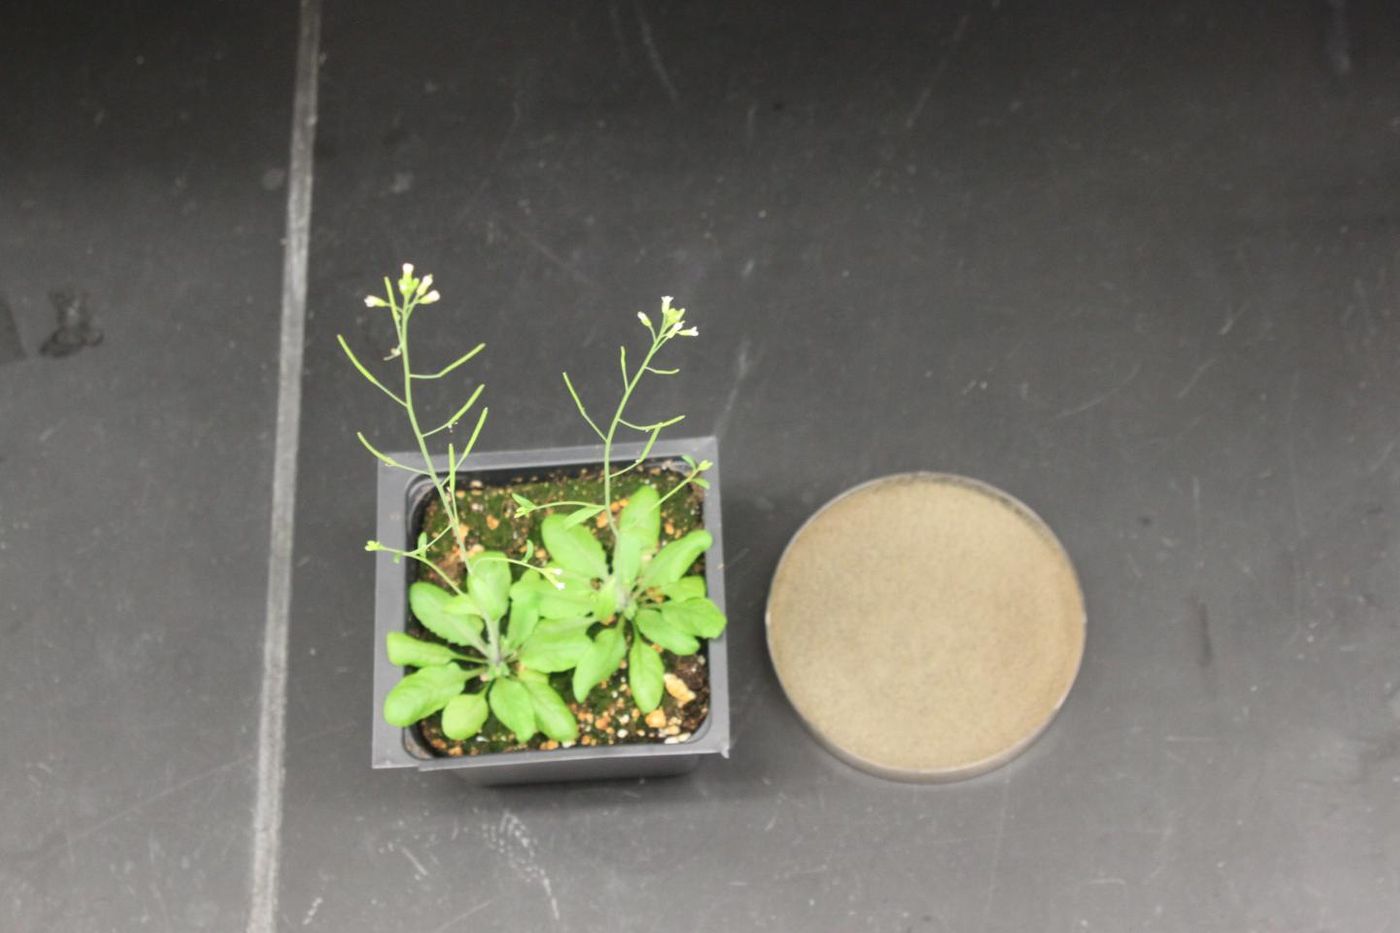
926,626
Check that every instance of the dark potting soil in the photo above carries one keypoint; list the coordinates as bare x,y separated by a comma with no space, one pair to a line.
607,716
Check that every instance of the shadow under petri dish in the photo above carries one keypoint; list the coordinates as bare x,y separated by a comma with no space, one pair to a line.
926,627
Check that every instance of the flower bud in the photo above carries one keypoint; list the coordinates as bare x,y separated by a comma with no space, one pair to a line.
670,315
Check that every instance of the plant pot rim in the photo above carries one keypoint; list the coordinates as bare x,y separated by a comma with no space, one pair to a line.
397,491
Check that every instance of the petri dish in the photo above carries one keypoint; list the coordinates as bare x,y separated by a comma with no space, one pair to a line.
926,626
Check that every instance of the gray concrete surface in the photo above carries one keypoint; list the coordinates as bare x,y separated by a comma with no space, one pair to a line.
140,152
1136,264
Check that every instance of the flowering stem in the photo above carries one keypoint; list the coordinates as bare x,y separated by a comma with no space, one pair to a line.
672,325
411,293
658,340
422,559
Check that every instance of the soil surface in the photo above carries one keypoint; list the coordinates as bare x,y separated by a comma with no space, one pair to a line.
607,716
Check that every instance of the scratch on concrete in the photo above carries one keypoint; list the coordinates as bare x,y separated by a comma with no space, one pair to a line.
510,838
1232,315
658,65
996,853
1196,515
1381,460
413,859
1206,653
1195,378
777,806
615,18
1102,397
553,257
463,916
959,32
743,365
144,802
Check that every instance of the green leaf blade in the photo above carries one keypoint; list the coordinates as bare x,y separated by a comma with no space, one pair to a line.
666,633
675,559
692,587
574,547
552,714
407,651
450,617
579,516
464,715
565,605
524,617
488,584
422,693
645,675
642,515
604,601
575,599
510,701
628,551
556,645
599,661
700,617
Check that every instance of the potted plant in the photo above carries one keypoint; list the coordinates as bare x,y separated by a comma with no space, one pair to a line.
550,614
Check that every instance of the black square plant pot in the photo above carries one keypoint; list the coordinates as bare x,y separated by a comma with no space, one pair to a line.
401,499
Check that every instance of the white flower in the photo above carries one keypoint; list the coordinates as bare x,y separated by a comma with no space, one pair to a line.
689,332
429,298
670,315
424,285
374,301
408,270
642,316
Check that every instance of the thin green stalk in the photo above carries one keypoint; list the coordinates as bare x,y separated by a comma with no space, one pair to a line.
414,555
547,571
453,365
445,495
678,487
579,402
401,328
413,292
657,341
